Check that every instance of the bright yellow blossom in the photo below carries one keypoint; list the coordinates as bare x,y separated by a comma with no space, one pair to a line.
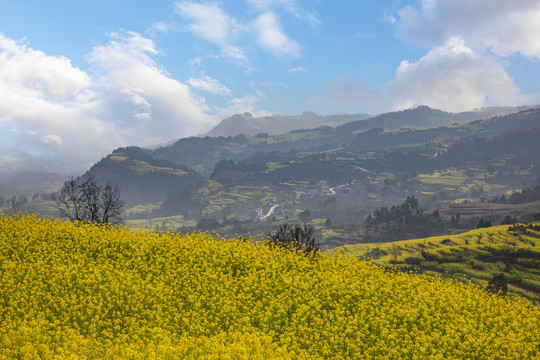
82,291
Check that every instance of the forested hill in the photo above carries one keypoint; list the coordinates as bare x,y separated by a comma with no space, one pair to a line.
369,135
151,175
379,138
142,177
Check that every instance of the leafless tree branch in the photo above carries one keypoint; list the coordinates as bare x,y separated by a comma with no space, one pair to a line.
83,199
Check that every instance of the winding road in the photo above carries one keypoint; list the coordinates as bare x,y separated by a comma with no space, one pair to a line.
270,212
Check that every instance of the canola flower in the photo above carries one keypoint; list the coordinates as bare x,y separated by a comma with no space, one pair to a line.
81,291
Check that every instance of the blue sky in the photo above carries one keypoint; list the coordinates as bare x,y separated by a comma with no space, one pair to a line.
80,78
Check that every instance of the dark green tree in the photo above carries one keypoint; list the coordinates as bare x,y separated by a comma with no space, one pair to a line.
305,215
207,224
483,223
328,223
498,285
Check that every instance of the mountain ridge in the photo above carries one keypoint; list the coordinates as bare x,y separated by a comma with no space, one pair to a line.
247,124
276,124
220,176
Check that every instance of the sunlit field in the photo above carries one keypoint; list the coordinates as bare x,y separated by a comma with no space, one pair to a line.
96,292
475,256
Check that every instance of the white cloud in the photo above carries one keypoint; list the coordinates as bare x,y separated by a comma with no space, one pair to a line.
348,92
210,85
142,109
504,27
290,6
162,27
465,67
53,139
390,19
56,117
45,104
297,69
135,88
27,71
454,78
272,38
245,104
211,23
57,136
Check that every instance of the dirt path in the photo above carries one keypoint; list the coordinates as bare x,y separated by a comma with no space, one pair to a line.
270,212
333,190
528,289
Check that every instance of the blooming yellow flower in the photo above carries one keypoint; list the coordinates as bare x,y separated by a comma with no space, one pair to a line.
85,291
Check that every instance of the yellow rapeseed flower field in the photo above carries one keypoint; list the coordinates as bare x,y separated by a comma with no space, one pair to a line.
97,292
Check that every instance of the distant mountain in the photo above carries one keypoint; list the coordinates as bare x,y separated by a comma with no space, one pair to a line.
278,124
141,177
377,139
202,153
426,117
150,175
420,117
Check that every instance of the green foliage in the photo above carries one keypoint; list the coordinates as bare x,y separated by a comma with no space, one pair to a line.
403,218
471,256
498,285
207,224
519,197
142,176
483,223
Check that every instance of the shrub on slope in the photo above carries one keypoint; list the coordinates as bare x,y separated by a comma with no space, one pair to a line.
86,291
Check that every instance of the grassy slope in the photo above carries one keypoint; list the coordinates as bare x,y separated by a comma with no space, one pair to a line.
143,167
474,256
102,293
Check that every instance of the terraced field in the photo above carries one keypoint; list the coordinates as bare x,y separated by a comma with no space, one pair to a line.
475,256
142,167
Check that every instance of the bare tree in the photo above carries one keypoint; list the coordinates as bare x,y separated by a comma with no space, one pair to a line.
296,238
83,199
111,203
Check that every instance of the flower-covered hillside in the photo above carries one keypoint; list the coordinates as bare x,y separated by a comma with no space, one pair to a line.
83,291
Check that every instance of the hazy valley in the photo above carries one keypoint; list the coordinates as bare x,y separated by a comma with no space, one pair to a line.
330,177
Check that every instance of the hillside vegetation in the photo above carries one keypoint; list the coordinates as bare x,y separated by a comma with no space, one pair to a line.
475,256
84,291
342,174
330,178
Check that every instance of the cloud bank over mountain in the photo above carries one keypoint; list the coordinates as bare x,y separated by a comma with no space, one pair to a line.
49,107
469,41
468,44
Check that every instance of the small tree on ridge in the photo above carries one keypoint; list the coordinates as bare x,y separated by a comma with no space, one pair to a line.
83,199
295,238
